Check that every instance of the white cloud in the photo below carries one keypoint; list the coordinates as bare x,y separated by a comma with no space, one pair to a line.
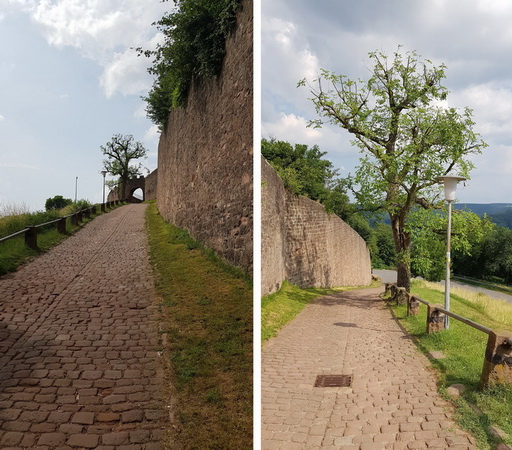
152,135
104,31
127,73
1,117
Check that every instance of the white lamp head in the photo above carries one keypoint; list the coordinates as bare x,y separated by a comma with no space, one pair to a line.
450,186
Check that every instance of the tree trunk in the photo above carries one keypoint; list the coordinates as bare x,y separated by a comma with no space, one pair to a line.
403,252
124,182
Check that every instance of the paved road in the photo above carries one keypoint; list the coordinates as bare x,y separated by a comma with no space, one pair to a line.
393,402
78,340
389,276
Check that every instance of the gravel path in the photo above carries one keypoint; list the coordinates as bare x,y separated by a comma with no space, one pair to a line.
393,401
78,333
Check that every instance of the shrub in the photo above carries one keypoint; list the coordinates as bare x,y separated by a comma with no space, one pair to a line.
193,48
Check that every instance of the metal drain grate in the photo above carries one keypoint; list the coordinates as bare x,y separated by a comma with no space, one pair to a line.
333,381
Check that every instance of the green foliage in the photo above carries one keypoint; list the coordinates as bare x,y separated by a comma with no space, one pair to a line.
120,151
75,207
490,259
428,230
57,202
18,222
304,171
193,48
406,136
386,246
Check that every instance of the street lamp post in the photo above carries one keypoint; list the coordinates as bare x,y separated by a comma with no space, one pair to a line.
450,186
76,189
104,173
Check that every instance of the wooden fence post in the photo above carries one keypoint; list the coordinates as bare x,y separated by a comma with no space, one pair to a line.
31,237
61,225
497,367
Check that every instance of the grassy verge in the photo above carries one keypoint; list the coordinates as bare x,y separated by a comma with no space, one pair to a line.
281,307
485,284
464,350
207,310
14,252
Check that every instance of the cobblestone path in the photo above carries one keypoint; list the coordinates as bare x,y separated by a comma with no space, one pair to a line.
78,343
393,402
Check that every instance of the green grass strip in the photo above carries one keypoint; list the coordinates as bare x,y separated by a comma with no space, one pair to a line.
207,309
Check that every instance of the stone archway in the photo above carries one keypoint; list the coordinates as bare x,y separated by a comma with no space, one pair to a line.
136,195
132,185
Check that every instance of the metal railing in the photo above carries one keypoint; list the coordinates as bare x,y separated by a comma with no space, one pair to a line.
31,232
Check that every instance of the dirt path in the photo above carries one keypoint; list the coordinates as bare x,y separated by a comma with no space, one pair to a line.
78,332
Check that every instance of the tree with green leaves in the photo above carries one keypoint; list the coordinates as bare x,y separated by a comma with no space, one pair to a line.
57,202
120,151
428,231
304,170
406,135
193,47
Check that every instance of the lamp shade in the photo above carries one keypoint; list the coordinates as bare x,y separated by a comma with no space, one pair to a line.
450,186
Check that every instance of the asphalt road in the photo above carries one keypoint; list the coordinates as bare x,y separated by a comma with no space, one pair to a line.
389,276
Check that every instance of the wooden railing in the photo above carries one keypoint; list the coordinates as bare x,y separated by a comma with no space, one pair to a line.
497,367
76,218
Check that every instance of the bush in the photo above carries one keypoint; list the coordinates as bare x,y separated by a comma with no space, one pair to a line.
193,48
57,202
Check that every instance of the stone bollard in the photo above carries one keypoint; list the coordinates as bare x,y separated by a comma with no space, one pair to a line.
61,225
498,360
31,237
435,319
413,306
402,296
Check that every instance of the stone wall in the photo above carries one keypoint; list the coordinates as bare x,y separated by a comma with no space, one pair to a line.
303,244
205,154
151,183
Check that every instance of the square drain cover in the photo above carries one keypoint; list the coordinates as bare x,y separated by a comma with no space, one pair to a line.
333,381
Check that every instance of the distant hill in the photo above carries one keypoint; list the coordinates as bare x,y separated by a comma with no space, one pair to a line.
500,213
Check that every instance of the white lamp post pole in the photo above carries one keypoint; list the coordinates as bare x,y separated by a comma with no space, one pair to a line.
104,173
450,186
76,188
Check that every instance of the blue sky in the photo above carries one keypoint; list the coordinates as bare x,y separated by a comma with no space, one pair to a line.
472,37
68,82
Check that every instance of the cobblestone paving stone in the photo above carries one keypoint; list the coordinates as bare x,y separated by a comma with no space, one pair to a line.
78,343
393,402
